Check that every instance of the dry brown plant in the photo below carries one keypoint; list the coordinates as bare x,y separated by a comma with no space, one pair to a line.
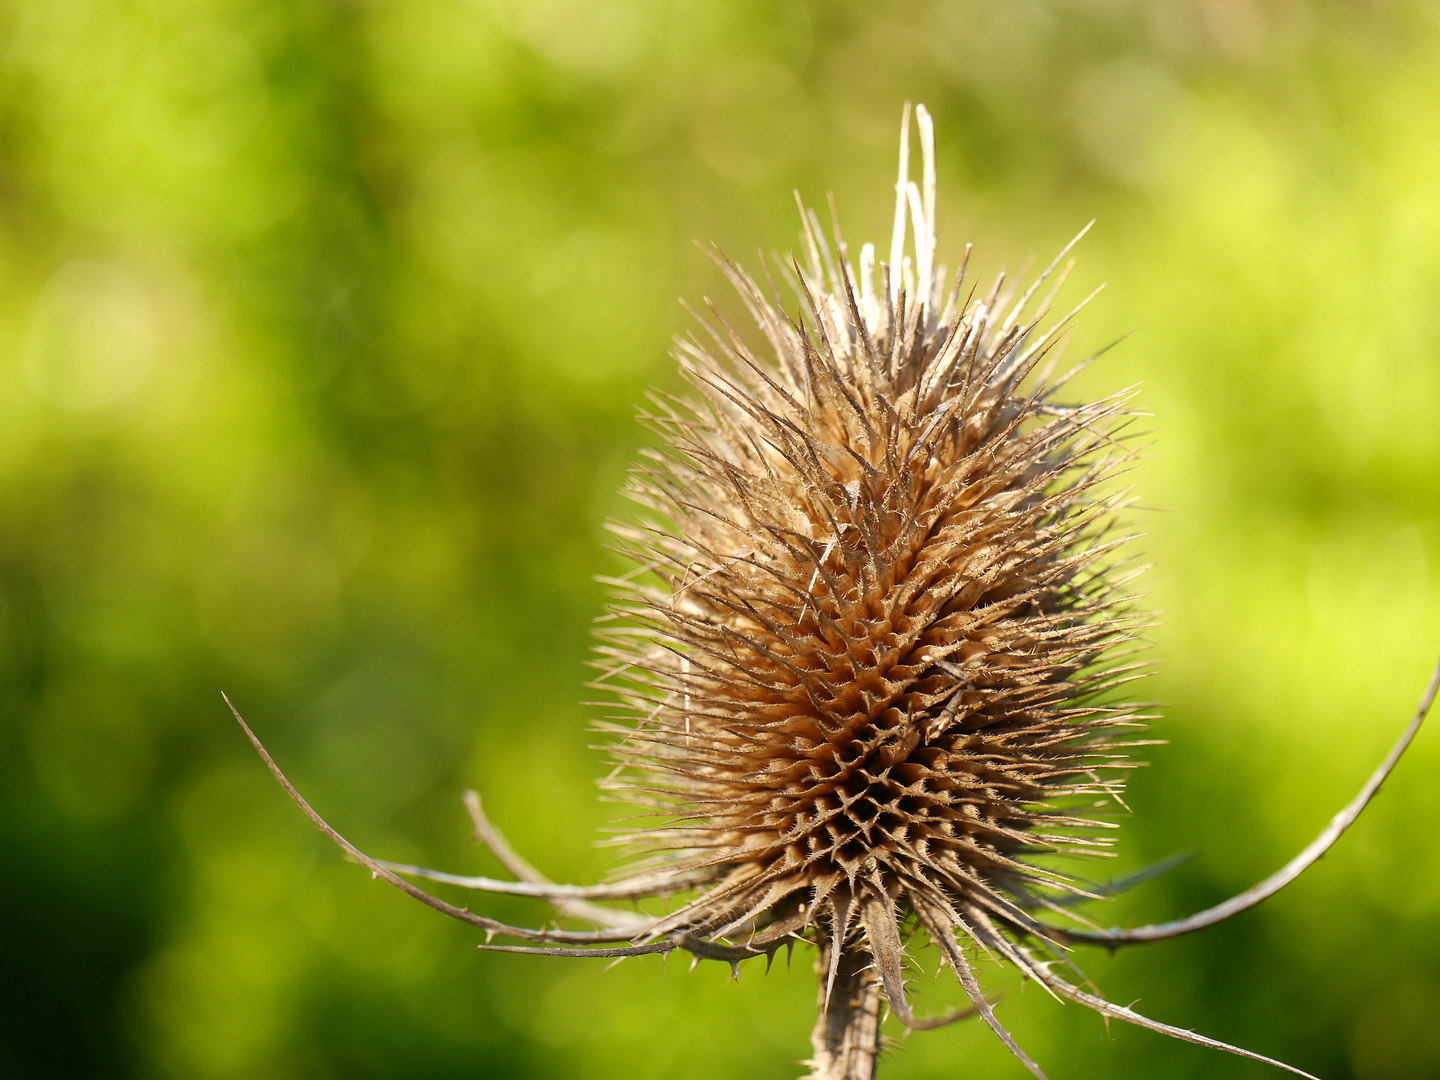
870,663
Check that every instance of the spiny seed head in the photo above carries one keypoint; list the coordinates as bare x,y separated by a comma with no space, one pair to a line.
876,608
867,656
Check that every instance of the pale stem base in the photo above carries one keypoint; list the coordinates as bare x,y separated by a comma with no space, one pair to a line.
846,1038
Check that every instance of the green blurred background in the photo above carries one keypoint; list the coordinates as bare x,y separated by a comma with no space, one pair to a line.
322,327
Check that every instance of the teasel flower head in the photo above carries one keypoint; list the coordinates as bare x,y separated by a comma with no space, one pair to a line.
869,654
872,658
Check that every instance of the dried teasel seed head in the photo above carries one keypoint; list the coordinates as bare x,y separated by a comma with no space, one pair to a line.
867,657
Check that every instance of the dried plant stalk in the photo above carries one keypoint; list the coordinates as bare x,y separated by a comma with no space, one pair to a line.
846,1039
870,663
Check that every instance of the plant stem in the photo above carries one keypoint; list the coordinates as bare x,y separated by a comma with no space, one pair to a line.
846,1038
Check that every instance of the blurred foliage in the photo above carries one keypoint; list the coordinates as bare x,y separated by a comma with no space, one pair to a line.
322,325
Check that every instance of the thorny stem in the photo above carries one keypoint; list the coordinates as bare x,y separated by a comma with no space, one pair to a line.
846,1038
